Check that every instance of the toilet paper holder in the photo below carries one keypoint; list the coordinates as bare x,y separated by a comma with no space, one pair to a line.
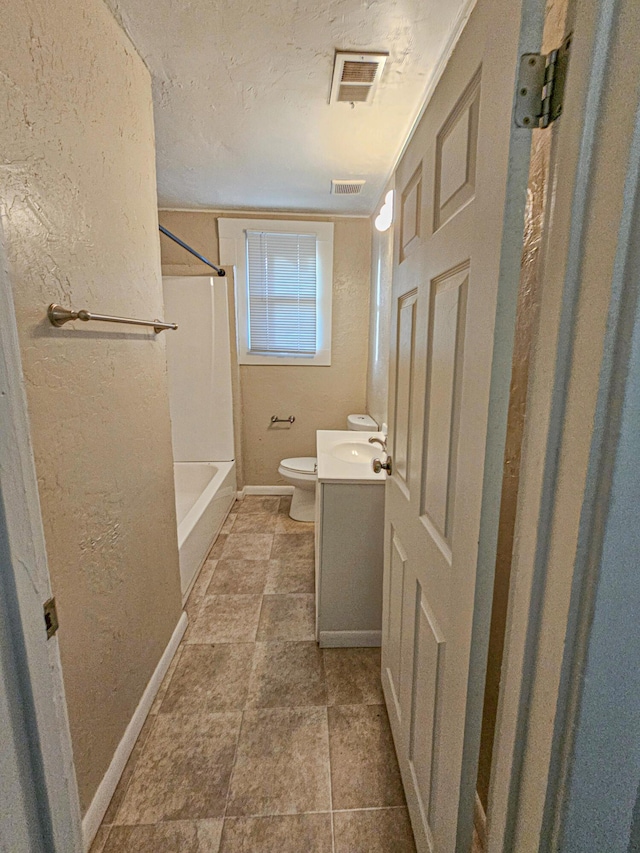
276,420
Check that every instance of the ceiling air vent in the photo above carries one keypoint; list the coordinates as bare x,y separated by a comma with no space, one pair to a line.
356,77
346,187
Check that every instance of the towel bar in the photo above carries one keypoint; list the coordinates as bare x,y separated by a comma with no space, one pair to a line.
58,316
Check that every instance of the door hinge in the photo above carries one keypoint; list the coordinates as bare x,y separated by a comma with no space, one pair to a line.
50,617
540,88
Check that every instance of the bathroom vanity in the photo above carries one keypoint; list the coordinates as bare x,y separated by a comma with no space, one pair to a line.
349,539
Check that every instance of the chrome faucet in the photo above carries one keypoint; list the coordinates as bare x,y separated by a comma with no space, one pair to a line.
376,464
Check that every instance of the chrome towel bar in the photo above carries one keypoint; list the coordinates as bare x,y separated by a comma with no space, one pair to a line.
276,420
58,316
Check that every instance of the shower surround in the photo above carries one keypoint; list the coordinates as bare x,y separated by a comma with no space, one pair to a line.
199,368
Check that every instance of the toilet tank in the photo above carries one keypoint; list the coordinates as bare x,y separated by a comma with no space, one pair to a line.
362,422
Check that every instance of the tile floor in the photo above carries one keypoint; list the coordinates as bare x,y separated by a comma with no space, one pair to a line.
259,741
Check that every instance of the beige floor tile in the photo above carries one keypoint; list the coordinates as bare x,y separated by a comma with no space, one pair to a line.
290,576
184,770
210,678
185,639
287,617
285,505
247,546
199,589
282,763
353,676
226,619
178,836
229,521
375,831
307,833
274,765
239,577
364,768
100,840
287,675
293,546
255,522
285,524
127,773
218,547
166,681
257,503
167,678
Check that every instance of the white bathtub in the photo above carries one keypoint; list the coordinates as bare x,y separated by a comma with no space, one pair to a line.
205,492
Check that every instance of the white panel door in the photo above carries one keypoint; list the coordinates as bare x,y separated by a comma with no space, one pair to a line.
452,185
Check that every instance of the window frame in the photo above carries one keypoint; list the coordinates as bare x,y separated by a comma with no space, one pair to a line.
233,252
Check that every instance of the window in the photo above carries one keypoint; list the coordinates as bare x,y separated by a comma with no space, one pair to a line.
281,287
283,279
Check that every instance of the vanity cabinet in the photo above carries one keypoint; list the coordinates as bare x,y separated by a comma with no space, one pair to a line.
349,558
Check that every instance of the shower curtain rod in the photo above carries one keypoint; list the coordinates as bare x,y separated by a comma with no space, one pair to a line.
184,245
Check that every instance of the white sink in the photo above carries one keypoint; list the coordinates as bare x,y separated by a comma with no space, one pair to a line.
355,451
345,456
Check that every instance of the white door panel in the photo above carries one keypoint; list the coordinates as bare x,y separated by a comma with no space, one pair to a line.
451,187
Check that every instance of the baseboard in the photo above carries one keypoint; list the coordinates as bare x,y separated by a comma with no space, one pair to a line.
349,639
267,490
100,803
480,821
185,596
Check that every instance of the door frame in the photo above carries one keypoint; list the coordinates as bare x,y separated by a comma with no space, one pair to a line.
46,767
605,590
512,244
556,552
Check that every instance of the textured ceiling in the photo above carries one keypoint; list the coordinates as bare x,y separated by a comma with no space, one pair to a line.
241,93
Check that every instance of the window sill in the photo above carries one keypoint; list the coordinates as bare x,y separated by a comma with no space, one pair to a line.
321,359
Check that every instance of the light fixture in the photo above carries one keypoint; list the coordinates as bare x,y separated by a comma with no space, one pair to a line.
385,217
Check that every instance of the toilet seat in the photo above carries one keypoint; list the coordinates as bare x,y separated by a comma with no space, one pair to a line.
300,464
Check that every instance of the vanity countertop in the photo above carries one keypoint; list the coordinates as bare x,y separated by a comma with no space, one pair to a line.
336,449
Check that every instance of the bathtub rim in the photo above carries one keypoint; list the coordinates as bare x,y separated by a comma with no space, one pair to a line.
211,495
195,513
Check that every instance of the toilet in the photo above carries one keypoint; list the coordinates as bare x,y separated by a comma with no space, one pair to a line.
302,473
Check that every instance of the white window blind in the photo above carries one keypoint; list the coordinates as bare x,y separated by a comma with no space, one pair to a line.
282,293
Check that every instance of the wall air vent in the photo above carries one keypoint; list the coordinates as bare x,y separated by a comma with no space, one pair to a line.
346,187
356,77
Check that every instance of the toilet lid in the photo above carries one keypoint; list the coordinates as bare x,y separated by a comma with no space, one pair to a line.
301,464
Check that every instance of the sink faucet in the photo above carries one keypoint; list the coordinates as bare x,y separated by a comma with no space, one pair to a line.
376,464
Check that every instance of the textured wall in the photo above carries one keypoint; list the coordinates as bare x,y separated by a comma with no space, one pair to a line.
319,397
380,320
78,207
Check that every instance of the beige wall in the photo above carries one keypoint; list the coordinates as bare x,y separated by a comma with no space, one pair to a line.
78,207
380,319
319,397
